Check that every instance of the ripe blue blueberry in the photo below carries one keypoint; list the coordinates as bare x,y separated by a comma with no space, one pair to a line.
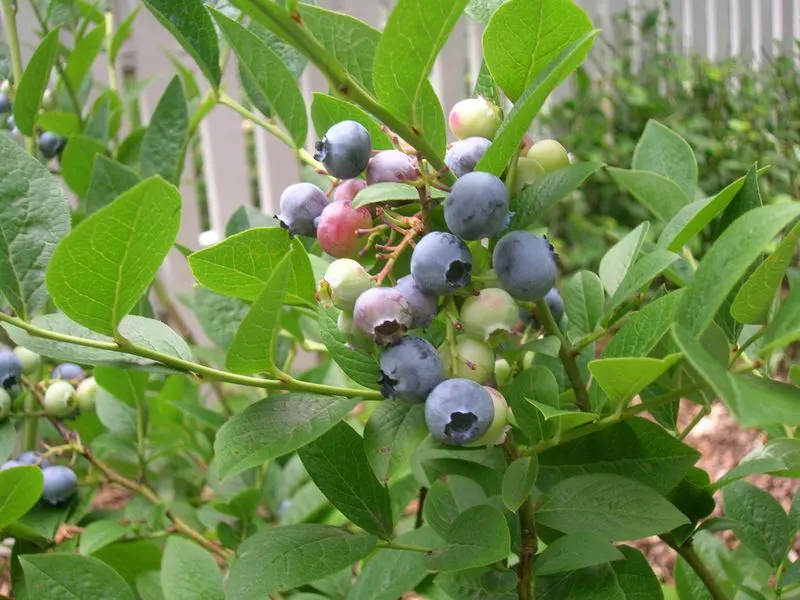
477,206
555,303
489,314
462,156
10,465
60,484
30,360
441,263
410,370
383,314
5,103
68,372
470,359
60,400
345,150
392,166
51,144
423,305
32,458
344,281
525,265
459,412
10,369
301,205
5,404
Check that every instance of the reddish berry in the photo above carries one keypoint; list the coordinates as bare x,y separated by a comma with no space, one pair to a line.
392,166
348,189
337,229
474,117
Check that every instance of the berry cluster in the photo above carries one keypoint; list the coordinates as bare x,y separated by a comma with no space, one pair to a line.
456,381
51,145
60,482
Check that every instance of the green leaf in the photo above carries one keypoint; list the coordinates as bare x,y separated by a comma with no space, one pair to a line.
412,38
275,82
275,427
34,216
361,368
472,585
641,274
253,347
623,378
619,259
486,86
82,56
785,326
105,118
612,506
189,572
536,199
745,200
754,401
479,536
393,432
524,37
164,144
327,110
77,162
577,551
114,254
754,298
584,301
99,534
61,575
518,481
661,150
109,180
661,196
337,463
513,129
148,333
20,490
129,386
29,92
283,558
8,439
220,316
779,457
590,583
122,34
728,259
190,24
62,123
247,217
637,449
241,265
391,573
562,420
388,192
636,577
645,328
762,523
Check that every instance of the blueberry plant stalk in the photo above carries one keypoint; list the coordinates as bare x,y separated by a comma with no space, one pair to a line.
12,39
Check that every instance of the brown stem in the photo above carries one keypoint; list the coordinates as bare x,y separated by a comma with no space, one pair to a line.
407,240
423,493
529,543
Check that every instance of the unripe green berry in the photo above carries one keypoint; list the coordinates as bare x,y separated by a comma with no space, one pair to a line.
60,400
48,100
489,315
5,404
474,117
86,394
344,281
528,171
352,334
550,154
30,360
473,359
496,434
502,371
5,87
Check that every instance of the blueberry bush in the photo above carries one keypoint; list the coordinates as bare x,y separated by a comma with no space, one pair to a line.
479,424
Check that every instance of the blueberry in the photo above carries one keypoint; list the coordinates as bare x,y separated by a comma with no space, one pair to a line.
473,359
10,369
474,117
392,166
477,206
441,263
491,312
301,204
496,434
555,303
60,484
410,370
5,103
344,281
525,265
383,314
462,156
354,337
347,190
459,412
86,394
10,465
68,372
423,305
502,371
51,144
11,124
345,150
337,229
5,404
59,400
33,458
550,154
29,359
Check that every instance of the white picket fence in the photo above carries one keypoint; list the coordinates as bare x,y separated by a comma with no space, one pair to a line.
752,29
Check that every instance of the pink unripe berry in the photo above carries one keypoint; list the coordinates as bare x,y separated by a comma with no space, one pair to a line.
382,313
392,166
348,189
337,229
474,117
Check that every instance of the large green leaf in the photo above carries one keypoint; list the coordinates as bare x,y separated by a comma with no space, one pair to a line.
638,449
99,534
361,368
640,274
780,457
728,259
746,199
337,463
20,490
413,36
99,271
164,144
109,180
77,161
635,576
609,505
189,572
82,56
275,82
619,259
644,329
584,301
241,265
62,123
661,150
274,427
127,385
576,551
785,326
623,378
524,36
391,192
282,558
393,432
220,316
590,583
34,216
33,83
479,536
62,575
512,130
661,196
190,24
327,110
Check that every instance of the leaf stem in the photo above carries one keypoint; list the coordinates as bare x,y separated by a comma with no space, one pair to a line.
112,72
187,366
702,414
687,552
749,342
12,38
